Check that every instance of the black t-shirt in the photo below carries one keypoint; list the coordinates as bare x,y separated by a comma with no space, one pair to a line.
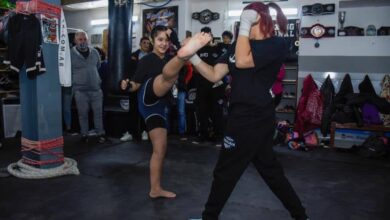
222,48
149,66
210,56
250,94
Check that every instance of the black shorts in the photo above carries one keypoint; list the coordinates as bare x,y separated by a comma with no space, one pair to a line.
151,107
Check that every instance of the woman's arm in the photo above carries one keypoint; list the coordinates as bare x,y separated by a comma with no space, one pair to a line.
211,73
244,58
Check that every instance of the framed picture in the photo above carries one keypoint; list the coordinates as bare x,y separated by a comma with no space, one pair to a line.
167,16
96,39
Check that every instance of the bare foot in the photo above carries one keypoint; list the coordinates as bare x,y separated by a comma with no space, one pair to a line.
162,194
193,45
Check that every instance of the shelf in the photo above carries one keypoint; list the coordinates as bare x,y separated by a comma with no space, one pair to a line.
354,126
290,67
363,3
8,91
366,36
285,112
286,97
289,82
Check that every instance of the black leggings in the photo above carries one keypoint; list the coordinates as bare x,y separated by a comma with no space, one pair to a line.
244,144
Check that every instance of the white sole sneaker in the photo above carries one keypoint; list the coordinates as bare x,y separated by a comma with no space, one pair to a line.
145,136
126,137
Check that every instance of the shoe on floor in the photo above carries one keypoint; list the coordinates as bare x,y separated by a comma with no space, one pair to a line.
145,136
126,137
199,140
84,139
194,219
218,144
102,139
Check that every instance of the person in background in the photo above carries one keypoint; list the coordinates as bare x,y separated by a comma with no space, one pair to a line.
136,128
227,38
185,76
277,87
103,70
67,96
209,97
87,86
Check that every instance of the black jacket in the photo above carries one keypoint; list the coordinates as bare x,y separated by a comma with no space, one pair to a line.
328,93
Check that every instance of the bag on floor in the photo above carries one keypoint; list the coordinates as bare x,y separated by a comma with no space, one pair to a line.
311,139
373,147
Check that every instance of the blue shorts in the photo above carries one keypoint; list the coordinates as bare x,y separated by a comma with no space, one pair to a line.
151,107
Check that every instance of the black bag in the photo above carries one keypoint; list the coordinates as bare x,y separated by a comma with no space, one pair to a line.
373,147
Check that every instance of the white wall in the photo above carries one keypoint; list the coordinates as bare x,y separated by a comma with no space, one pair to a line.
218,26
348,46
82,19
341,50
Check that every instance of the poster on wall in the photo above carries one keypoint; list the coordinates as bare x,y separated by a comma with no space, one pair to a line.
49,27
291,37
159,16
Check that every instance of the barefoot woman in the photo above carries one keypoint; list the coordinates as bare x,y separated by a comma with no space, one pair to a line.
153,86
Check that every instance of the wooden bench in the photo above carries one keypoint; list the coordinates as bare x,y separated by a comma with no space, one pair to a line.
353,126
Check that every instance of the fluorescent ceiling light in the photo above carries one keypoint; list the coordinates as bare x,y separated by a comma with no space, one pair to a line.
89,5
99,22
286,11
234,13
332,75
105,21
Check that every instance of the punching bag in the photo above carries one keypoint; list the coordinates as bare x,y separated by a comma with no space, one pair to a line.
120,13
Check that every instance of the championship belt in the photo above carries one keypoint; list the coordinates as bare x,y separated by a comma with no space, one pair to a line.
205,16
318,9
317,31
351,31
383,31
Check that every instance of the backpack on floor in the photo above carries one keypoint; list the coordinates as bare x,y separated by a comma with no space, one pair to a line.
373,147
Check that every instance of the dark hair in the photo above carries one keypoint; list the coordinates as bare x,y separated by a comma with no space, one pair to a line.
144,38
101,53
156,30
266,24
206,29
227,34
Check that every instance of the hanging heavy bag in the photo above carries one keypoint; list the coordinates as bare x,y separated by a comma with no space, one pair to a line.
119,41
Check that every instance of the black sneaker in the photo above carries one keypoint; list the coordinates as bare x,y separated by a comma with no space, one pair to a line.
102,139
84,139
199,140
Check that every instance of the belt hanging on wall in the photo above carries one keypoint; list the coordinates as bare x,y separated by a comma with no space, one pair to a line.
351,31
318,9
205,16
317,31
